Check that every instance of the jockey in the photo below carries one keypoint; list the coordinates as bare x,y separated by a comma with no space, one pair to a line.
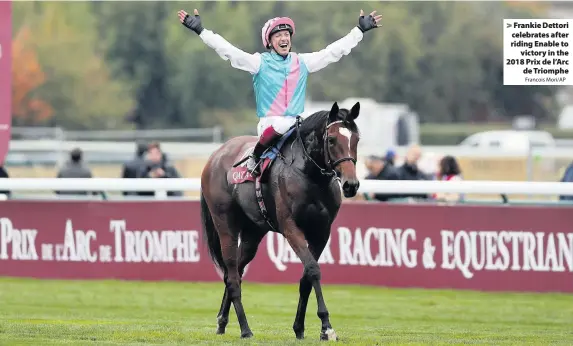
279,75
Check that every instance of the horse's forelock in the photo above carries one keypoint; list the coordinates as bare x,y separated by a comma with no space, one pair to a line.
348,123
319,120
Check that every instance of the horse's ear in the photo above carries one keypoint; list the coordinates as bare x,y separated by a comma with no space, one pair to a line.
333,115
355,111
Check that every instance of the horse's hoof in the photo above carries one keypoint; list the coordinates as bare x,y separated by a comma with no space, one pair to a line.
328,335
299,335
221,325
247,335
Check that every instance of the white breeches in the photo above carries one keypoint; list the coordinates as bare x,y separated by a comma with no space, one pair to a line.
281,124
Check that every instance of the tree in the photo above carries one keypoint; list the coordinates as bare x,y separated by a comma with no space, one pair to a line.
77,82
27,77
133,40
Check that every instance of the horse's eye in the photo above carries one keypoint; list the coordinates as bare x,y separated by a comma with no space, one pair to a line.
331,140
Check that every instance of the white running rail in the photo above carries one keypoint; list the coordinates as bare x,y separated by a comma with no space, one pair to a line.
366,186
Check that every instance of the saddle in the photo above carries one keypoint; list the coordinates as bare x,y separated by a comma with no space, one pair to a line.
239,174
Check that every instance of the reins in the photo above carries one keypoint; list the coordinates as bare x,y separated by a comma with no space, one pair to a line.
330,166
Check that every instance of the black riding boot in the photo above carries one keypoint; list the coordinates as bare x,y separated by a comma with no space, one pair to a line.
269,138
253,163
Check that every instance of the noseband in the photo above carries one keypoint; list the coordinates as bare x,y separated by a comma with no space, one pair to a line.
330,166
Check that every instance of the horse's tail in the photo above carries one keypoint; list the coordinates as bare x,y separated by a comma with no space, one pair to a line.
210,235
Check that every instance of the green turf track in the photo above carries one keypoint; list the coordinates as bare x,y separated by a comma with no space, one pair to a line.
34,312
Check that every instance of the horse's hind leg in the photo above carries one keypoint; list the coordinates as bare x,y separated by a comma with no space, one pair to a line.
305,287
229,239
223,315
297,241
247,251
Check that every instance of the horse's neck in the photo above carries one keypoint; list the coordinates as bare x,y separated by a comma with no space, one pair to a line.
314,147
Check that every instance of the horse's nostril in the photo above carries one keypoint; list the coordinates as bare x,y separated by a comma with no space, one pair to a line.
350,184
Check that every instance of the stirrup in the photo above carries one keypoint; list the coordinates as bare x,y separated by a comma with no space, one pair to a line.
253,165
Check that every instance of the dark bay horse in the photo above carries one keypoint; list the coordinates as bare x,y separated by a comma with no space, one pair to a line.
302,195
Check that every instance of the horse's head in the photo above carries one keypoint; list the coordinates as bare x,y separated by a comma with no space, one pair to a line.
341,142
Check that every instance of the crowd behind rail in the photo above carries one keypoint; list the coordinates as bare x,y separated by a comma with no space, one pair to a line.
385,168
447,169
151,162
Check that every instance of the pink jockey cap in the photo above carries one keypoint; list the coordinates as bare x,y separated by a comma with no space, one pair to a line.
273,23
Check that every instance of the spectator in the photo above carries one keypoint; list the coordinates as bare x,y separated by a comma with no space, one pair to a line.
4,174
131,169
74,168
449,170
134,166
390,157
380,169
368,163
567,178
157,167
409,170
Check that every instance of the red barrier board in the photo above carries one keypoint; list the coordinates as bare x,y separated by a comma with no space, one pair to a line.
5,76
464,247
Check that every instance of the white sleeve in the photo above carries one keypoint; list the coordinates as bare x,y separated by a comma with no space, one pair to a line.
239,59
333,52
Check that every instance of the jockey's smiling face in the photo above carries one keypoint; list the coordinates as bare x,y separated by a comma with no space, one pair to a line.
281,43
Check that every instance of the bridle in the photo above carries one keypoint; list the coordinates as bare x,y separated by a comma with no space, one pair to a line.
330,166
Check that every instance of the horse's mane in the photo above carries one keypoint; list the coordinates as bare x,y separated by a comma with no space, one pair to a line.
318,121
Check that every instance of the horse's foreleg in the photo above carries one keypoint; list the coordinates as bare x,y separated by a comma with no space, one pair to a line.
297,241
247,251
304,289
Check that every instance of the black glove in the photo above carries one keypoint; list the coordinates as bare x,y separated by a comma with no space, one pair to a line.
366,23
193,23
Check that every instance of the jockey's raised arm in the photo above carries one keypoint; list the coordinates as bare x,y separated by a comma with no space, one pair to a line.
239,59
333,52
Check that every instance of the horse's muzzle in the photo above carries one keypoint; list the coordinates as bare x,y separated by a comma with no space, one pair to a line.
350,188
